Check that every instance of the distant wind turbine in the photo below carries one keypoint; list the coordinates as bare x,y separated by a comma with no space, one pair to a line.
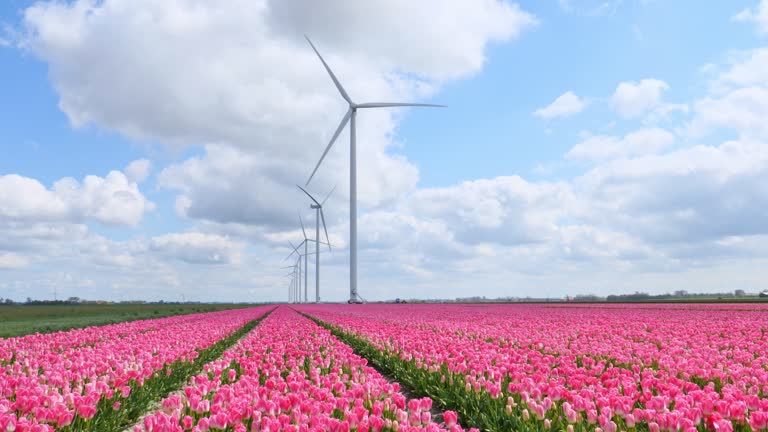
318,207
291,275
349,117
298,274
298,264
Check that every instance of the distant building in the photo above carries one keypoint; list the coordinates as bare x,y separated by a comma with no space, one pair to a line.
764,293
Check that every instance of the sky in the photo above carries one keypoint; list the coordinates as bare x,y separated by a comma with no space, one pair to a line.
151,150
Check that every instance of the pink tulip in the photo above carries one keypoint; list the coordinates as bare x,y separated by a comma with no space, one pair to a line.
450,418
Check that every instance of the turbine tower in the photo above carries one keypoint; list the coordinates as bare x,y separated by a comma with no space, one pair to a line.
349,117
318,207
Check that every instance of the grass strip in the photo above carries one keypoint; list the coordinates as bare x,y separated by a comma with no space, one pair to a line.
161,384
19,320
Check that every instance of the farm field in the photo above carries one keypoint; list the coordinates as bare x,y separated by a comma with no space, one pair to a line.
103,378
589,367
18,320
604,368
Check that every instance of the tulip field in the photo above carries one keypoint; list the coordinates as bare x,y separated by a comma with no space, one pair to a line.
579,368
98,377
546,367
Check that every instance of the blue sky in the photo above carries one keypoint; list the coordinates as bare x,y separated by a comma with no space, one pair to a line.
208,121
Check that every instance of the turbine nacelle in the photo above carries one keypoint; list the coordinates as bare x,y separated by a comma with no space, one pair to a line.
353,107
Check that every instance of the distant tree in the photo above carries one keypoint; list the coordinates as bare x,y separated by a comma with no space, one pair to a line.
681,293
739,293
73,300
29,300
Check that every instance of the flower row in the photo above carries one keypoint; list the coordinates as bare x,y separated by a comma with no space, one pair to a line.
49,381
289,374
597,367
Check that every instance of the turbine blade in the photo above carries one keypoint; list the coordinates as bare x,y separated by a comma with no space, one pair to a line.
330,72
322,217
396,104
302,227
328,196
295,249
330,144
289,255
308,194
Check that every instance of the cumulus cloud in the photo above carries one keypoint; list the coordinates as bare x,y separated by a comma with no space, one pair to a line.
590,8
757,15
502,210
453,47
198,248
138,170
603,147
737,100
635,98
565,105
12,261
239,78
695,194
111,200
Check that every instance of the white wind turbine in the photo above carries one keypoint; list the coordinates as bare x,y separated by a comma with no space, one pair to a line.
318,207
291,275
298,264
349,117
297,270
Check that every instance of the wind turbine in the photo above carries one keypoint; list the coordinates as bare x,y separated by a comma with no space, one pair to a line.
349,117
318,207
298,266
291,275
298,263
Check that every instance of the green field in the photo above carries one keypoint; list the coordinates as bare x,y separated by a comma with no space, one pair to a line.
17,320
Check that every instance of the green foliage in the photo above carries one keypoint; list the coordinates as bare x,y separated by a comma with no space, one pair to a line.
21,319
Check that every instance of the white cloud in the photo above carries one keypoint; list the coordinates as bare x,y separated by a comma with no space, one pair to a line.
604,147
111,200
502,210
565,105
452,47
590,8
198,248
737,98
748,69
633,99
691,195
743,110
238,78
138,170
12,261
757,15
